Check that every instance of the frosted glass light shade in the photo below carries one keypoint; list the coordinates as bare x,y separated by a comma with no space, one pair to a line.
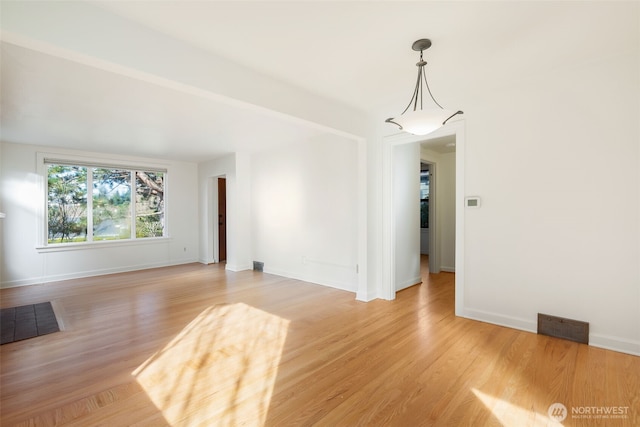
422,122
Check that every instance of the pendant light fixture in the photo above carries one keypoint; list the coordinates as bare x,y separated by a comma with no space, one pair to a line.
422,120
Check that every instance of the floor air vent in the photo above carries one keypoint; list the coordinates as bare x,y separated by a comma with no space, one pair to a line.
559,327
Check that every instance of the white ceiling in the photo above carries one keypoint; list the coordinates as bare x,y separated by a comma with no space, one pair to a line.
358,53
52,101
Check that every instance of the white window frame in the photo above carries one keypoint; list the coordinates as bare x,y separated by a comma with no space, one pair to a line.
45,159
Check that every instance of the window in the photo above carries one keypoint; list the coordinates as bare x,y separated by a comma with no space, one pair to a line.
89,203
67,203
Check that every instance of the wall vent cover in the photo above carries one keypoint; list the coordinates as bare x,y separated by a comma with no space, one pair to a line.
559,327
258,266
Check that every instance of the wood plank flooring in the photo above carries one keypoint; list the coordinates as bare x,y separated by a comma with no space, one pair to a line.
195,345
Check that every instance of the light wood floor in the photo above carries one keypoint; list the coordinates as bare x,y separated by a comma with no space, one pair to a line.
195,345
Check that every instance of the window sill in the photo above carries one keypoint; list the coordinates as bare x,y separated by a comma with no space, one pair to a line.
62,247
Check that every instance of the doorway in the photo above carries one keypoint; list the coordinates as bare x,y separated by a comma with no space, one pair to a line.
428,241
390,211
222,219
438,156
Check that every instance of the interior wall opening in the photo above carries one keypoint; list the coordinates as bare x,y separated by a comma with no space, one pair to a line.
392,213
438,202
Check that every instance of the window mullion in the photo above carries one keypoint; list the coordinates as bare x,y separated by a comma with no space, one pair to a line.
132,192
89,204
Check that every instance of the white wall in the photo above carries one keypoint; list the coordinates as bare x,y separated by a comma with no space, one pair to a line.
304,211
23,195
446,210
555,161
239,210
406,201
444,223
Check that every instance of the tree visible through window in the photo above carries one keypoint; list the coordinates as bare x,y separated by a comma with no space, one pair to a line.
73,216
67,203
149,204
111,204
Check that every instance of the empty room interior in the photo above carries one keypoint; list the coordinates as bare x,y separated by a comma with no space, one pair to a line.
253,213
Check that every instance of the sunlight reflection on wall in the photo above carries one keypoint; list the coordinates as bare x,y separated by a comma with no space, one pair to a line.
23,193
21,198
219,370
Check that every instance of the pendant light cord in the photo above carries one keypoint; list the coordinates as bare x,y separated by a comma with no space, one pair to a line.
429,89
418,90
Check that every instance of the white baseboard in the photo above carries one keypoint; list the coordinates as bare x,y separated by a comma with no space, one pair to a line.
329,283
408,283
619,344
366,296
447,269
607,342
501,320
238,267
91,273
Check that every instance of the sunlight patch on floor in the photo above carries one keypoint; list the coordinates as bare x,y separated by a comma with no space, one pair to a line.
219,370
509,414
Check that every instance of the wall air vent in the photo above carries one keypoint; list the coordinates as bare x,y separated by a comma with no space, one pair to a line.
559,327
258,266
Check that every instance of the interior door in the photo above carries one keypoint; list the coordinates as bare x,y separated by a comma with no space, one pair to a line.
222,219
